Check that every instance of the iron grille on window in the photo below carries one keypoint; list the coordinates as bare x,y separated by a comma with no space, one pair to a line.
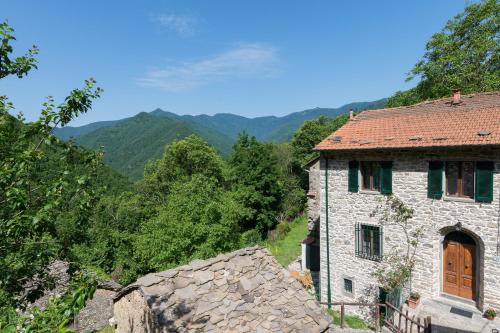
369,242
348,286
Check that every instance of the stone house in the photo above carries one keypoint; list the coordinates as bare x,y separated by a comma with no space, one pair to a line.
442,158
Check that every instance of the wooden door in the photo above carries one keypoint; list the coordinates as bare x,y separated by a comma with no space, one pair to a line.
459,269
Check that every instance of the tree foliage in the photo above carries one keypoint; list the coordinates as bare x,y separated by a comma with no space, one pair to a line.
182,159
41,179
199,220
313,132
255,180
398,265
465,55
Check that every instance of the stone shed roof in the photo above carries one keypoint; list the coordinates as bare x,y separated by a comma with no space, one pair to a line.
243,291
472,121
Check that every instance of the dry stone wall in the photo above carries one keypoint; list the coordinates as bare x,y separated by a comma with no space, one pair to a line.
243,291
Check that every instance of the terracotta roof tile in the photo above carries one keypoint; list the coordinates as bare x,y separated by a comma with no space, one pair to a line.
440,123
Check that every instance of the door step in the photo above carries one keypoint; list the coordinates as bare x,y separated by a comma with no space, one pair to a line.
459,302
461,312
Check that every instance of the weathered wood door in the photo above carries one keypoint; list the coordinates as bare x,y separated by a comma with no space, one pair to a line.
459,269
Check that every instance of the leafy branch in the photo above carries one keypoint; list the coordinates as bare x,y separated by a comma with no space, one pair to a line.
397,267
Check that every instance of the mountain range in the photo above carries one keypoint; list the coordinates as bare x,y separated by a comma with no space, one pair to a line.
130,142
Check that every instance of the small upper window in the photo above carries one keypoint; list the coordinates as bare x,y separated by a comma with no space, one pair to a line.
348,286
460,179
370,174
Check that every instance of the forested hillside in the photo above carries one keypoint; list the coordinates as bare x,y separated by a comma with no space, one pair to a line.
129,143
276,129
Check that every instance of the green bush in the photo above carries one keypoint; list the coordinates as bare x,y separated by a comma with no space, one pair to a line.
250,238
282,229
199,221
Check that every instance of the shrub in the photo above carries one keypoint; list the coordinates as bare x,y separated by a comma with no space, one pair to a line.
282,229
250,237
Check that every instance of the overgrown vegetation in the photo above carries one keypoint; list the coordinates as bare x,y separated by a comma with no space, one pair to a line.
286,245
43,182
465,55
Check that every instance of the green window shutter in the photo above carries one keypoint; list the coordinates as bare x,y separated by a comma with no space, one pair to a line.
386,177
353,176
435,180
484,181
357,239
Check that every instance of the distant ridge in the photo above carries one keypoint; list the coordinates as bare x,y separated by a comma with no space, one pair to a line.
130,142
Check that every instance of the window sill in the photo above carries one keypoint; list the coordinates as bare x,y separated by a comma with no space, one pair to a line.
458,199
368,257
369,192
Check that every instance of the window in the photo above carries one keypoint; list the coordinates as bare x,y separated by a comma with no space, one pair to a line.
375,176
348,286
460,179
370,176
369,242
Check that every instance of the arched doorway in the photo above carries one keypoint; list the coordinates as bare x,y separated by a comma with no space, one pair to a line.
459,265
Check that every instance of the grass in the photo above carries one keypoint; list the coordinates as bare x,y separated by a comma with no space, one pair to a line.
351,321
288,248
107,329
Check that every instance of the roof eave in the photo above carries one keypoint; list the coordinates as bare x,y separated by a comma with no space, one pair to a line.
406,148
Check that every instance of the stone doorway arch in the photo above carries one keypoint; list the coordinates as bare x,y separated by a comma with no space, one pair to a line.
462,264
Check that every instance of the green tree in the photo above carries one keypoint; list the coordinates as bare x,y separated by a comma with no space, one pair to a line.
198,221
34,189
465,55
182,159
290,172
107,244
313,132
255,181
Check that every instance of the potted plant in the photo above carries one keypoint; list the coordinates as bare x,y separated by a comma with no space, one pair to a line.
413,300
490,314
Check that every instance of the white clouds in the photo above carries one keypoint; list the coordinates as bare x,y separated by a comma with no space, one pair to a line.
184,25
242,61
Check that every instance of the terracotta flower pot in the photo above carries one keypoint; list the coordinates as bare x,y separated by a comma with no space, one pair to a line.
413,303
490,317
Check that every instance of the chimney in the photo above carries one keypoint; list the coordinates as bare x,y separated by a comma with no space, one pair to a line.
456,96
351,114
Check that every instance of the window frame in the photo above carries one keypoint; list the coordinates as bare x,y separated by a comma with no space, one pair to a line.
460,180
360,240
371,176
344,290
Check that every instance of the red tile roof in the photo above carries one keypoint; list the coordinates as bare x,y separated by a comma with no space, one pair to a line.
440,123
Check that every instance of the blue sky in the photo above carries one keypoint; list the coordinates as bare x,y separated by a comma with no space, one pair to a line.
252,58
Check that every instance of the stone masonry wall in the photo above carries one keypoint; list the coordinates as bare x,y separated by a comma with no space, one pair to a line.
409,184
313,196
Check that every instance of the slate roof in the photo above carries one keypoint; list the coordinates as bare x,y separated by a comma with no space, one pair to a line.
440,123
243,291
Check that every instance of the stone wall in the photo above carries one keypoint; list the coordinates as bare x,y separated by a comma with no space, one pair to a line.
313,196
409,184
243,291
132,314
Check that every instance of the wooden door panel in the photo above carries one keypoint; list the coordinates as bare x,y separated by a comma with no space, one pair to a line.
459,269
450,269
467,283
